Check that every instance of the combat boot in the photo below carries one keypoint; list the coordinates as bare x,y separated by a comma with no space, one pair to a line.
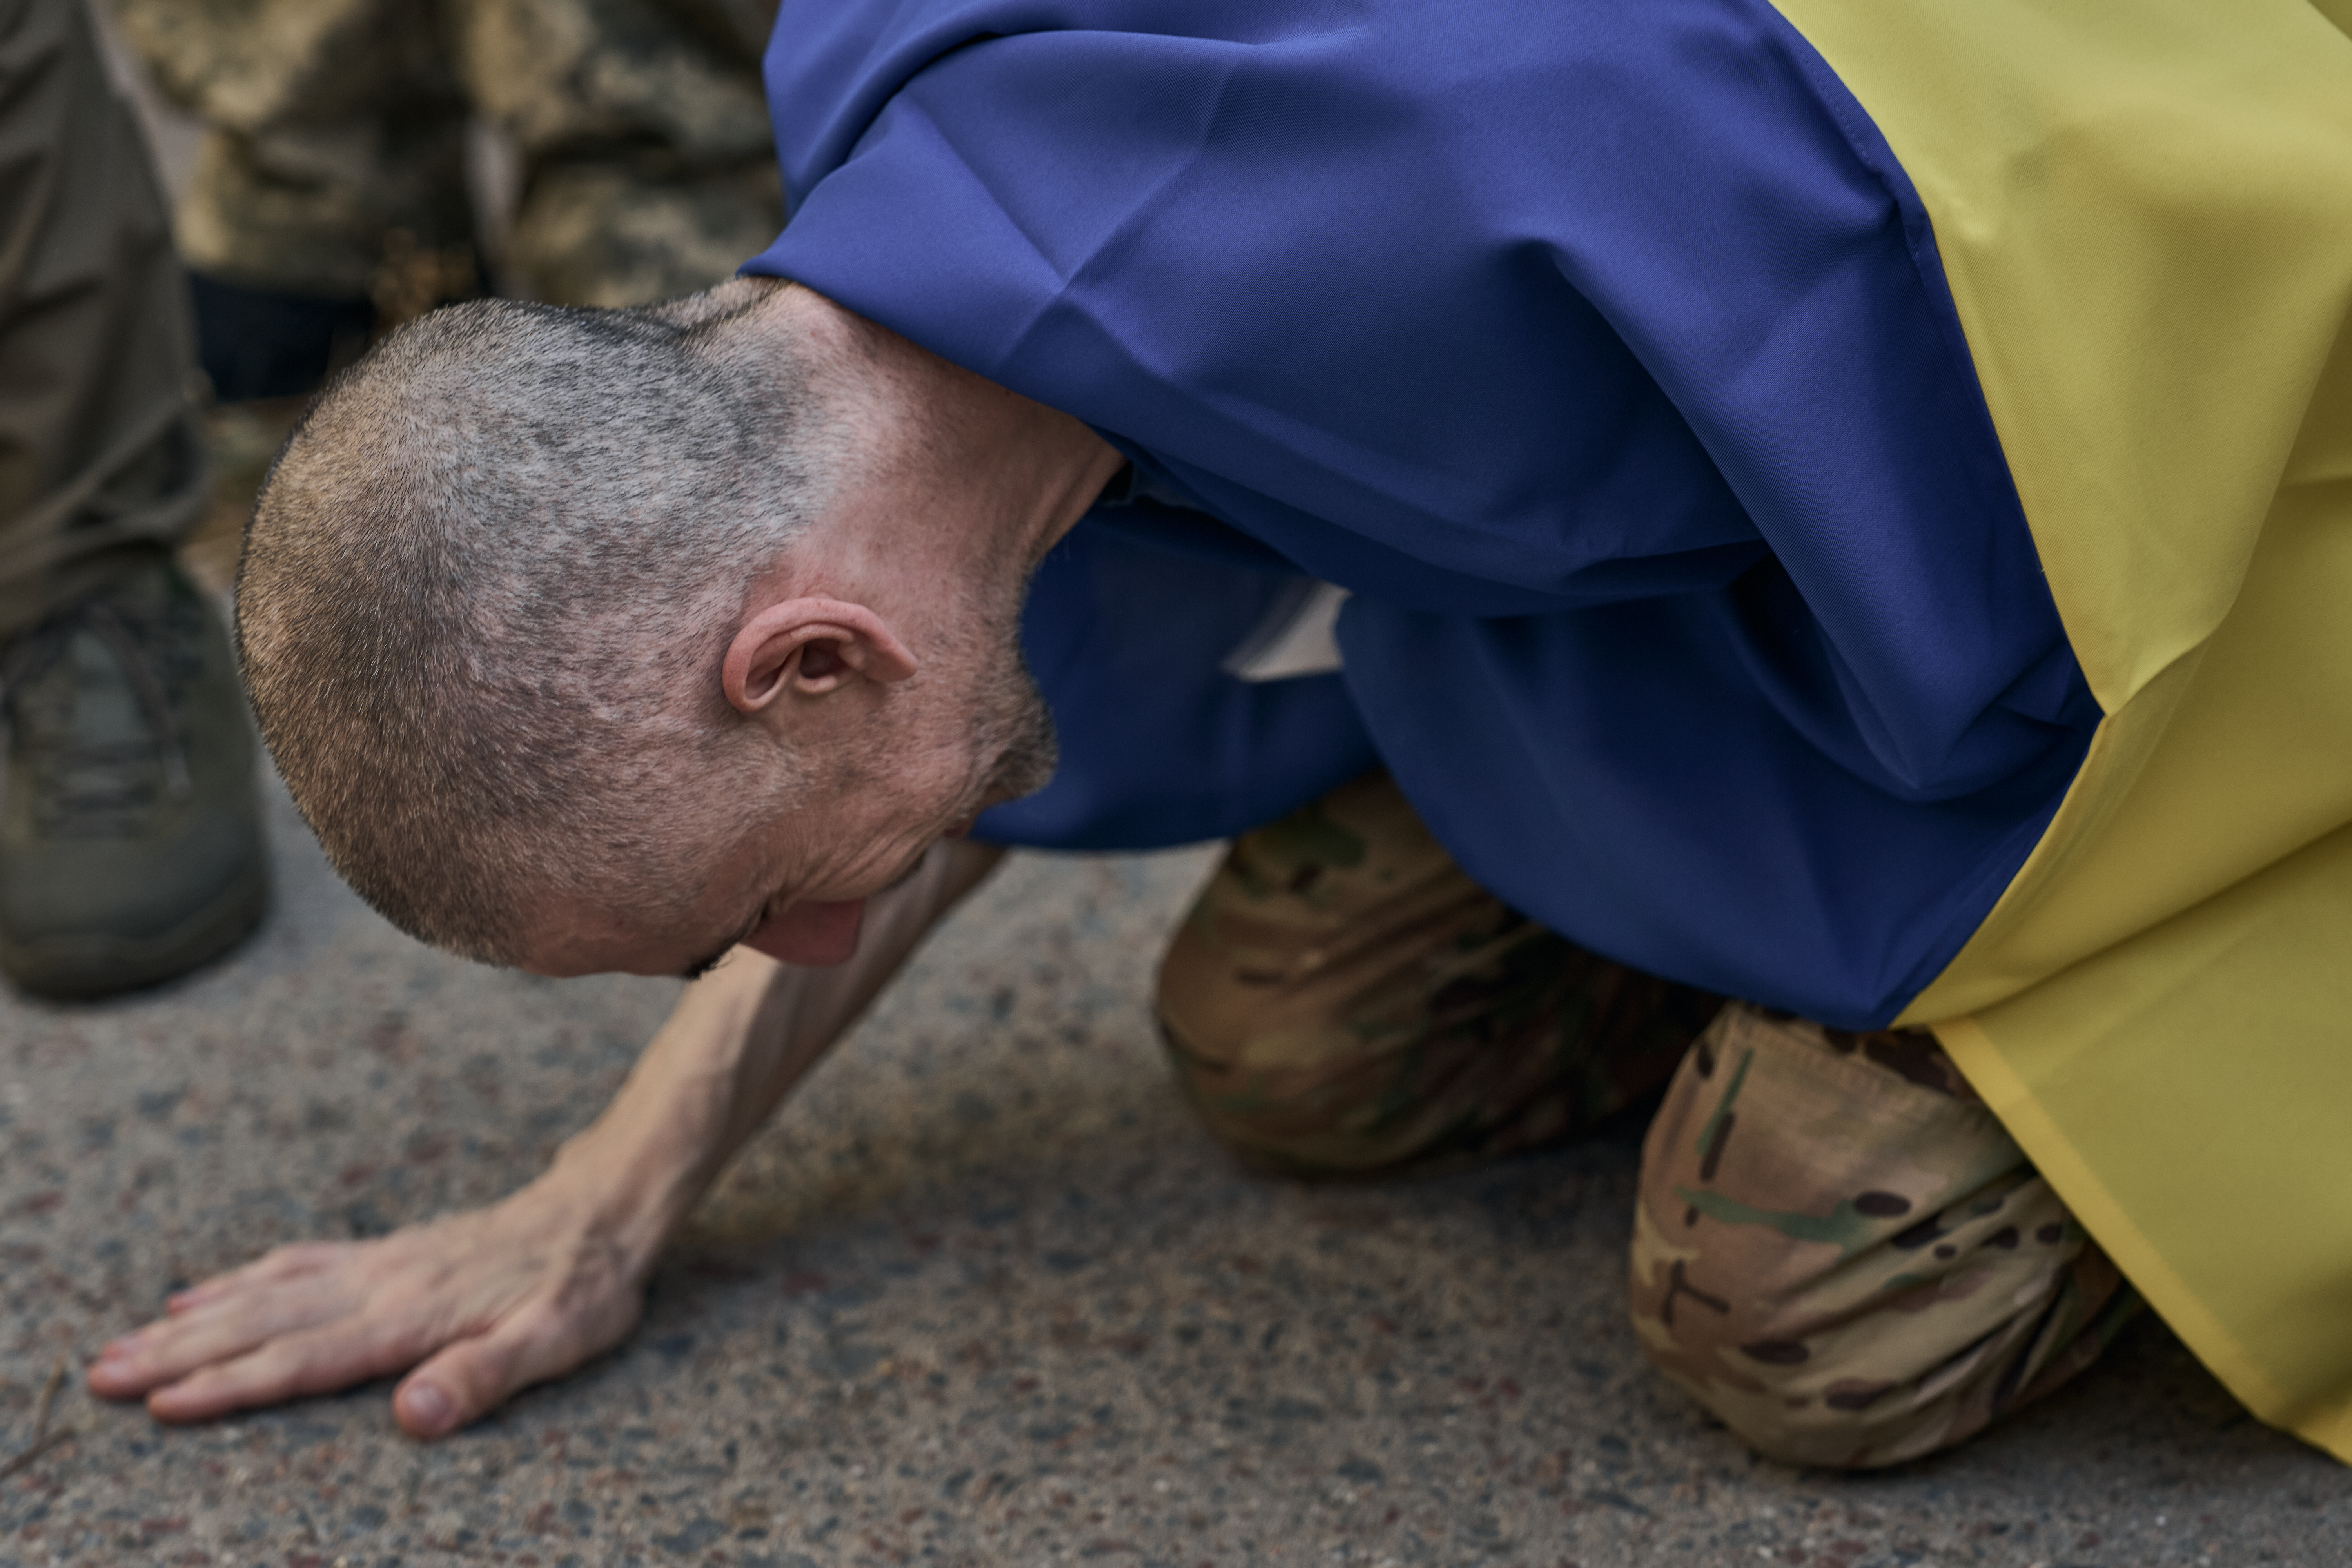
130,845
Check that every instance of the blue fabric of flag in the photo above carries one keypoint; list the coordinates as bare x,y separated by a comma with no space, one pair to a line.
1601,351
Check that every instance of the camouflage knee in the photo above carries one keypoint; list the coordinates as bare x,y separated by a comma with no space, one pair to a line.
1343,1000
1840,1253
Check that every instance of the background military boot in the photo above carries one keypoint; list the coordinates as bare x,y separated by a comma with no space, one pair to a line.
131,846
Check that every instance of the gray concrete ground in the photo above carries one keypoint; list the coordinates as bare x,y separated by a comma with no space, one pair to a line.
983,1295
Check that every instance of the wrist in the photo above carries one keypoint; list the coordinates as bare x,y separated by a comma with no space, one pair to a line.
631,1193
638,1169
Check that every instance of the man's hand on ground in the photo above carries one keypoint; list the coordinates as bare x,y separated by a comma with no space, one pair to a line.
480,1304
485,1303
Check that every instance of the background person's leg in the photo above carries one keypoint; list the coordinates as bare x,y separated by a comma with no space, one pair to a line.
1840,1253
130,839
1342,1000
330,188
98,446
648,168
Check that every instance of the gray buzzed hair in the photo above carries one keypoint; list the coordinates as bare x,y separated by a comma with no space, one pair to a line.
485,595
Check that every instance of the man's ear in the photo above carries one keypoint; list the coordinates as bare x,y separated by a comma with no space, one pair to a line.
808,648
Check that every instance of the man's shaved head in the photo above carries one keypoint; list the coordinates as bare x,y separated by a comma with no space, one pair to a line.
487,587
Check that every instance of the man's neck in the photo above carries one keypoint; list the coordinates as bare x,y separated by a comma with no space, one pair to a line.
944,472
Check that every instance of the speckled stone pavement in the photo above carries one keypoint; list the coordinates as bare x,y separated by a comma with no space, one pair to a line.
983,1295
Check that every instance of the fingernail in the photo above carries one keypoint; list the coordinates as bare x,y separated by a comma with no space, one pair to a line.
114,1349
428,1406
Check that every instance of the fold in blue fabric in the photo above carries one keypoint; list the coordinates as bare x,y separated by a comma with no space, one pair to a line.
1601,351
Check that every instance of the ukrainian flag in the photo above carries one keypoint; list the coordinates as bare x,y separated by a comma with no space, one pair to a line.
1846,503
2145,210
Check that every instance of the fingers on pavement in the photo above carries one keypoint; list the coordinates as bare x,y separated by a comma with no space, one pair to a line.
312,1307
216,1330
289,1366
279,1263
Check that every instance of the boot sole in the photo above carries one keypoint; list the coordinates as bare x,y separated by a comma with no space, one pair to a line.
79,968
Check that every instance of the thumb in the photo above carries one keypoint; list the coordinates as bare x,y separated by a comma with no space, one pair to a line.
467,1380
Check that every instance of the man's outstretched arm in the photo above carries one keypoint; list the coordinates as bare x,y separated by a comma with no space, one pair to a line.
486,1302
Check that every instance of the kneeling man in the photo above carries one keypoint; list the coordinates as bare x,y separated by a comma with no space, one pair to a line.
1794,555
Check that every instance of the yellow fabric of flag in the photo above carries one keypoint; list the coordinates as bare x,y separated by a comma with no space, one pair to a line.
2144,209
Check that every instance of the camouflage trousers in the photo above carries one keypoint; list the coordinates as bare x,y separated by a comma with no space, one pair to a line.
1837,1249
335,163
102,457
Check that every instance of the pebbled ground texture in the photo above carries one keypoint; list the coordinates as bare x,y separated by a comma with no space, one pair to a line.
983,1295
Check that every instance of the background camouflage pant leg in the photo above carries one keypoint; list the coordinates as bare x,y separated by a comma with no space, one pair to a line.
335,162
1343,1000
100,459
1840,1253
333,125
649,165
